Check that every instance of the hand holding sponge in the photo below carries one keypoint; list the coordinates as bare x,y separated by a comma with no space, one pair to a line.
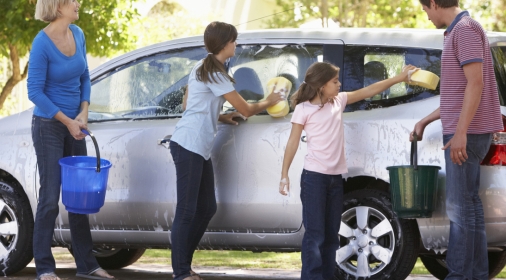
282,86
423,78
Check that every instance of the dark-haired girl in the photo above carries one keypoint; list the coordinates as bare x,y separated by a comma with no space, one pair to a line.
318,111
209,86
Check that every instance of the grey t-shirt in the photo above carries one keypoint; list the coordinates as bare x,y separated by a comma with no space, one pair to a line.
197,128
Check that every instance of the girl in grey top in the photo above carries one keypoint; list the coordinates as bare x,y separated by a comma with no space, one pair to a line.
209,86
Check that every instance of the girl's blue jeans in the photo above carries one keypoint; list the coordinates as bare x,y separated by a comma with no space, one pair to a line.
196,205
322,205
52,141
467,256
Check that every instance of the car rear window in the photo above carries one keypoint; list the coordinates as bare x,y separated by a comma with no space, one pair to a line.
499,55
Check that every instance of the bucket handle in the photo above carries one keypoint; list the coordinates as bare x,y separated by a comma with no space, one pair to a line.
88,132
414,152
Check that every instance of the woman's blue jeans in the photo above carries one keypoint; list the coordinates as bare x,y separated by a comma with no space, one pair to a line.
52,141
322,206
196,205
467,256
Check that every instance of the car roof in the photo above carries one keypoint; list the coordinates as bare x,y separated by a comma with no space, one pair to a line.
400,37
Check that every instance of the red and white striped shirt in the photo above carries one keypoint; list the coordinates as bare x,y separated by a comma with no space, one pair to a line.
466,42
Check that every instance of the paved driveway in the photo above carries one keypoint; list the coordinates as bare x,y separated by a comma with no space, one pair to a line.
67,271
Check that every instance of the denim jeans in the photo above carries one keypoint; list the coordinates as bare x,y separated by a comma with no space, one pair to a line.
322,206
52,141
196,205
467,256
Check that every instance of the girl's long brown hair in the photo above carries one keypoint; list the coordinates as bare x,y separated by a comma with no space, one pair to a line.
317,75
216,37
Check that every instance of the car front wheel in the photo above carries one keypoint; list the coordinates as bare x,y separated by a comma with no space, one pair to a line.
16,229
115,258
374,242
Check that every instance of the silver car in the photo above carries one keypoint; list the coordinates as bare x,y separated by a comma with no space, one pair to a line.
136,102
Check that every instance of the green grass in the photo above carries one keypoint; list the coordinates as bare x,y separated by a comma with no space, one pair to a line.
245,259
236,259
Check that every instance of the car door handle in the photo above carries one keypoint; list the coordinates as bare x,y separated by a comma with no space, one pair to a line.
163,141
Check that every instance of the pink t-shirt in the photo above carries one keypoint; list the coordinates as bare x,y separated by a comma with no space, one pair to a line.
325,135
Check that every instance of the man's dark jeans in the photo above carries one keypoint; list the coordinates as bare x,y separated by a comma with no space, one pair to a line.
467,256
322,204
196,205
52,141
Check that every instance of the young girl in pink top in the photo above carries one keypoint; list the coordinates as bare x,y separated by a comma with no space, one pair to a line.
318,111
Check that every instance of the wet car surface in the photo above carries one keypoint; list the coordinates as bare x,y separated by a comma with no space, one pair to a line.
136,102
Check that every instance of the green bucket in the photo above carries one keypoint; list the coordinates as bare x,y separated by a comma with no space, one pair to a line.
413,188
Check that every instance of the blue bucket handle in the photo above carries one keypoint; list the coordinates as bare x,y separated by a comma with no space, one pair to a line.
88,132
414,154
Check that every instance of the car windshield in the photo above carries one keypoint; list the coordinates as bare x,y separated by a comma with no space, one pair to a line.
148,87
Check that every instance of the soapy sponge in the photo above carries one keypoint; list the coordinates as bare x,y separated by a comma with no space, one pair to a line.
282,86
424,79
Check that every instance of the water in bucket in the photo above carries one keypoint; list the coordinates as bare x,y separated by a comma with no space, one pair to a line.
413,188
84,181
83,188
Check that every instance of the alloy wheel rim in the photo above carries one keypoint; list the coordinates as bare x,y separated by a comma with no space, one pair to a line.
9,229
367,241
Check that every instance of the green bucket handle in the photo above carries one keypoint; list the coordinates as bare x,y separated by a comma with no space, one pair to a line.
413,159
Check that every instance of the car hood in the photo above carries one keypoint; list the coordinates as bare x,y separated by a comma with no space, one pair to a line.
11,124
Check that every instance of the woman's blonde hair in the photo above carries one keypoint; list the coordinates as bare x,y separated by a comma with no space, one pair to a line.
317,75
47,10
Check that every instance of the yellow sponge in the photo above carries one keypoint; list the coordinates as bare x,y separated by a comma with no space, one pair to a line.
424,79
282,86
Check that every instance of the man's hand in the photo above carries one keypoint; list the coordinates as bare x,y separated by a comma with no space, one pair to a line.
457,145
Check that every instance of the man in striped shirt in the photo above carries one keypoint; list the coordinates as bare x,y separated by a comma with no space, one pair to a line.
470,113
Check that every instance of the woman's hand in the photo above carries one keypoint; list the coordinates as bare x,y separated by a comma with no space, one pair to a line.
284,186
229,118
75,127
83,118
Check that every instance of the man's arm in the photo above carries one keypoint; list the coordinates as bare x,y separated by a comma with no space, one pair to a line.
472,97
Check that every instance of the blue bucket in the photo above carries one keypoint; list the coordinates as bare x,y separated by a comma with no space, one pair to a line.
84,182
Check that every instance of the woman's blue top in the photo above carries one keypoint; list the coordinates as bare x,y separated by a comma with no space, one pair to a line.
57,82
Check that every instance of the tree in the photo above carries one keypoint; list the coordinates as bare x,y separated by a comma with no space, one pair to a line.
380,13
355,13
168,20
107,24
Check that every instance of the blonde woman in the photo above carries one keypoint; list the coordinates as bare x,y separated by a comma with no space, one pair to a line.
59,86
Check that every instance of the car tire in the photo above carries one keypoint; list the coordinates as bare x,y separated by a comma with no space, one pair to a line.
117,258
382,247
16,229
436,265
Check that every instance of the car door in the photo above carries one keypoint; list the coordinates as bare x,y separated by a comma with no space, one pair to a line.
133,107
248,158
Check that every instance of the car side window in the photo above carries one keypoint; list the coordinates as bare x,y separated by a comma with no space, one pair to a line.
149,87
254,65
365,65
